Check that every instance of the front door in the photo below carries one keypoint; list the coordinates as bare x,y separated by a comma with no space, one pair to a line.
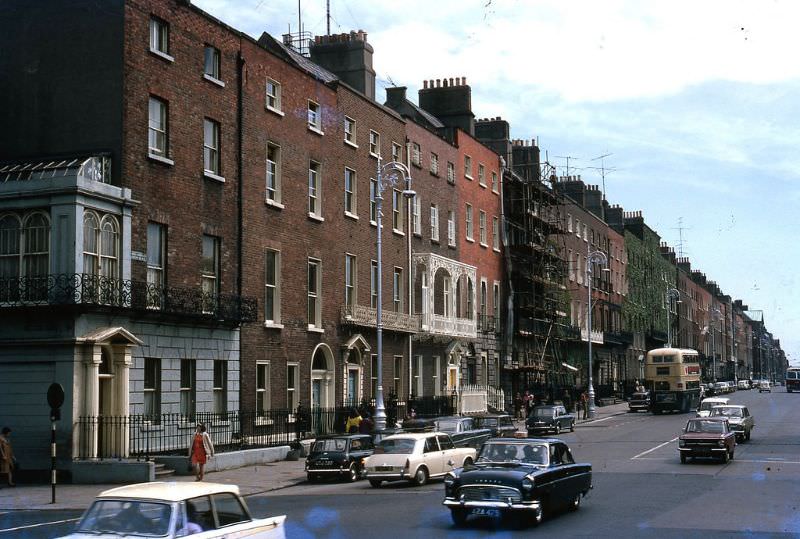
316,393
352,387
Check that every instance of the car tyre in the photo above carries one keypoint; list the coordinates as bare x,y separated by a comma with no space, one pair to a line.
467,461
747,436
684,458
459,516
572,426
352,473
558,429
420,476
726,457
375,483
575,504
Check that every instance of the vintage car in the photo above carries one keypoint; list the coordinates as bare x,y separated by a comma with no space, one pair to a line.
707,437
463,431
639,401
174,509
739,419
520,478
501,425
707,404
764,385
338,456
415,457
549,418
743,384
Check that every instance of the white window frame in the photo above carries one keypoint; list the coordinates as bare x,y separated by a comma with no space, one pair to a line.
397,289
160,38
374,143
212,160
158,130
451,172
416,213
481,175
152,394
272,286
482,228
468,167
373,205
315,117
350,192
373,375
350,131
451,228
292,386
437,367
156,263
434,164
314,294
417,382
187,388
209,276
273,99
350,280
397,152
219,386
373,284
416,154
315,190
495,184
273,175
468,222
212,72
496,303
434,222
496,233
263,390
398,375
398,211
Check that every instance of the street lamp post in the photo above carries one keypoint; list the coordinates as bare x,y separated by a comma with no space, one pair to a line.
394,171
716,316
599,258
672,293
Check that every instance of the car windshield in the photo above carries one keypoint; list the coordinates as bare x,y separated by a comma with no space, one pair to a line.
399,446
639,395
447,425
708,405
714,427
513,452
125,517
332,444
726,412
488,422
543,412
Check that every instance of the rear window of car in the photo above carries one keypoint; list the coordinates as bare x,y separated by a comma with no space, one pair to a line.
543,412
399,446
714,427
334,444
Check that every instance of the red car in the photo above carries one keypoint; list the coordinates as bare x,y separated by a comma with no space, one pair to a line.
707,437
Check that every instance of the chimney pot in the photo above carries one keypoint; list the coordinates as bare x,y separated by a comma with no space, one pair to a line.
438,82
464,81
451,81
424,84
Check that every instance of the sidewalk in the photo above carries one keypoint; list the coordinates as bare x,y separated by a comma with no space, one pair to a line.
250,479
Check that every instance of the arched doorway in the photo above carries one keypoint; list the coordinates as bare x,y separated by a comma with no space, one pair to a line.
322,377
353,353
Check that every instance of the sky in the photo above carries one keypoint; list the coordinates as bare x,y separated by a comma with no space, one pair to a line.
695,103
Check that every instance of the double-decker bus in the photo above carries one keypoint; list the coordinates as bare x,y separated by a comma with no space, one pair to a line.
673,377
792,379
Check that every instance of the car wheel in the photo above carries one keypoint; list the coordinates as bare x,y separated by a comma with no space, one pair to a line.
683,458
575,504
421,476
467,461
311,478
459,516
352,472
572,426
375,483
558,429
726,457
747,436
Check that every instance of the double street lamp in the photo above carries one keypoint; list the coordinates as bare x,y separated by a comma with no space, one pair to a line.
671,294
599,258
715,316
388,175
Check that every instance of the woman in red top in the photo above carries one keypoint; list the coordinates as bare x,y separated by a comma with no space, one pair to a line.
200,450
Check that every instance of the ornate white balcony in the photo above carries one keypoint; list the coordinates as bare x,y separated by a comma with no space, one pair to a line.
597,336
444,325
361,315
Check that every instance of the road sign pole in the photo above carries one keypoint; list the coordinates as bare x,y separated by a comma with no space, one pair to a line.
53,460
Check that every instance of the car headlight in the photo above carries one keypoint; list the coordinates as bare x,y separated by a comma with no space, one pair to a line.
681,443
721,443
449,479
527,484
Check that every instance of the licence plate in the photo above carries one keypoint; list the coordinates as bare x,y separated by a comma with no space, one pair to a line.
383,468
486,512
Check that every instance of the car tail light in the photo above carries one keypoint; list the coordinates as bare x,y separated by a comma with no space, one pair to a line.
408,465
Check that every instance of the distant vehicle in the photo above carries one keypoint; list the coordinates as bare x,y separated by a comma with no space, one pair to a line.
743,384
549,418
764,385
704,410
462,430
501,425
520,478
707,437
639,401
175,509
739,419
673,376
415,457
792,379
338,456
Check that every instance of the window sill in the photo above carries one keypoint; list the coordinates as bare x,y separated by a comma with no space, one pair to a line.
351,215
482,185
496,192
316,130
451,181
471,240
351,144
159,159
467,176
273,325
484,245
451,245
213,80
274,204
373,223
435,240
315,329
418,234
398,232
162,55
375,155
212,176
434,174
495,249
273,110
315,217
417,164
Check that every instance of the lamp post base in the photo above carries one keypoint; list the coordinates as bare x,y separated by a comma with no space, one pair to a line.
591,405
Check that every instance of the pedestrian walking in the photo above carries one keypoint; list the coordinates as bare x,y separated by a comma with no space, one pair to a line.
8,462
585,405
527,401
353,422
200,450
518,406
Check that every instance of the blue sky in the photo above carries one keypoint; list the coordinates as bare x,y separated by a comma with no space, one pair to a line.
696,102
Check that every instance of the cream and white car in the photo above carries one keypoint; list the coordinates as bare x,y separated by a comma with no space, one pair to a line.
175,509
415,457
705,407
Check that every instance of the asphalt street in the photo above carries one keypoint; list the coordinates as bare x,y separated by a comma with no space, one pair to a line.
640,489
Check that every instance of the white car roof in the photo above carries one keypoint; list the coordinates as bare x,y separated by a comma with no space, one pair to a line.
717,399
172,491
414,435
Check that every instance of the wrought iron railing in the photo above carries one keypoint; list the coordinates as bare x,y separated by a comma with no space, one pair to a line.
433,406
361,315
487,323
97,290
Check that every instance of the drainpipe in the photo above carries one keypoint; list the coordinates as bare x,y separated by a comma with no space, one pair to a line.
509,329
410,281
240,180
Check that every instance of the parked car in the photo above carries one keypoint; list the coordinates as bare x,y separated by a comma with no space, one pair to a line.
338,456
739,419
707,404
549,418
463,431
501,425
415,457
764,385
174,509
707,437
522,478
639,401
743,384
